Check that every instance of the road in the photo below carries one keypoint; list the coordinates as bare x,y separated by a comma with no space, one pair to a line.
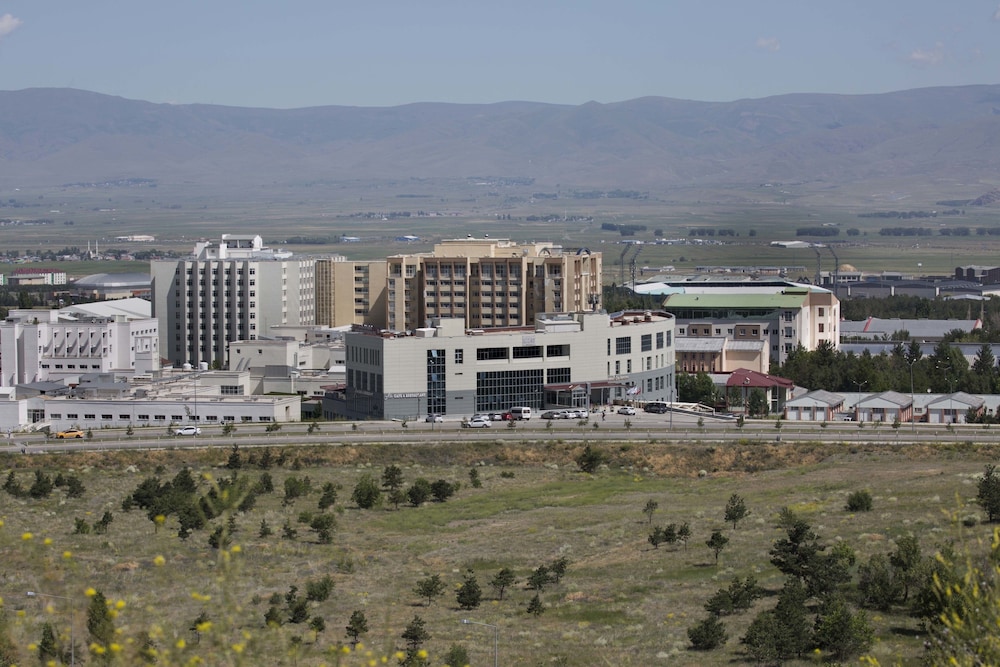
646,427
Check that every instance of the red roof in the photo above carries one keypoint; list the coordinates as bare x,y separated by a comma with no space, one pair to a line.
744,377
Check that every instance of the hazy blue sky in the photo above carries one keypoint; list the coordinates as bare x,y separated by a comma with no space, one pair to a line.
387,52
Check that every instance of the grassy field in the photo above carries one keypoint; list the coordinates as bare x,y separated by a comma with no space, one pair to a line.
179,215
621,602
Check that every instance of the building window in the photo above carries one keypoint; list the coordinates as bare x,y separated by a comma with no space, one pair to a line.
623,345
659,340
528,352
646,342
821,327
557,376
491,353
557,350
459,356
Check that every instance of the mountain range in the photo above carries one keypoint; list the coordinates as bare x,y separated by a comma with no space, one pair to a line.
910,138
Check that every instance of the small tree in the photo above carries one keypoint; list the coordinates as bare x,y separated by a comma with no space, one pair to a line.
988,492
419,493
474,477
657,537
430,588
357,626
540,578
649,509
235,461
590,459
736,510
328,497
469,594
48,648
501,581
535,607
684,533
392,478
366,494
558,569
442,490
415,635
859,501
456,656
717,542
100,627
708,634
842,632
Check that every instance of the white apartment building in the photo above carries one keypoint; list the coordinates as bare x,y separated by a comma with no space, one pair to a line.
232,289
721,327
578,360
61,345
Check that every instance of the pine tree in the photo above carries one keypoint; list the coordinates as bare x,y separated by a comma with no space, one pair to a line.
469,594
100,625
736,510
503,579
357,626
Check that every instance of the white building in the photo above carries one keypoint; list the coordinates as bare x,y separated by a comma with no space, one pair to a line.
60,345
233,289
577,360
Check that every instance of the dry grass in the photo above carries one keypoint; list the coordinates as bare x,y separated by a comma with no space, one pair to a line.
621,603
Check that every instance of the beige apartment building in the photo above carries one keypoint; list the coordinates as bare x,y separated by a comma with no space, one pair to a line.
490,283
349,292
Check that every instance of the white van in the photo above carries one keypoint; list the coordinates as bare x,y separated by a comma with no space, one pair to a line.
520,412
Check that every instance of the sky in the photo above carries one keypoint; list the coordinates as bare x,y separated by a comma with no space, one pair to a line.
301,53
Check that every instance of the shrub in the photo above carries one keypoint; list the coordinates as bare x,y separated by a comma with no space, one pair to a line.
859,501
708,634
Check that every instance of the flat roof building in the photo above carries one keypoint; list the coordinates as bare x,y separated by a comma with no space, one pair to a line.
568,360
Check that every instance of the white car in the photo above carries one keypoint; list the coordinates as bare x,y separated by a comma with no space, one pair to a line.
626,410
188,430
477,423
431,419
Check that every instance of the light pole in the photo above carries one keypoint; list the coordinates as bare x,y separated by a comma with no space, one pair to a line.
496,638
857,409
72,633
913,424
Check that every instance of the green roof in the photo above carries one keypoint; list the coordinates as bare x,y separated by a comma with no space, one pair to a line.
735,301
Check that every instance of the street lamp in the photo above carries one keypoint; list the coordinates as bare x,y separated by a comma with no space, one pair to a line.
72,633
913,425
496,638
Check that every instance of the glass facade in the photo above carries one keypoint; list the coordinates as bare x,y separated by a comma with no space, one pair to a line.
437,402
500,390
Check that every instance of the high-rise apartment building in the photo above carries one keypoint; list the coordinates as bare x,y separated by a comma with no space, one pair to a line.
231,289
490,283
350,292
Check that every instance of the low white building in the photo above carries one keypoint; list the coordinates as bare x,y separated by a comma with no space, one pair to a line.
564,360
39,345
207,398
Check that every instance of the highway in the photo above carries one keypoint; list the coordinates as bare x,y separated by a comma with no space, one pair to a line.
659,428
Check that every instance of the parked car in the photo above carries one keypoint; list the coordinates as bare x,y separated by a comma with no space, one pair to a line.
550,414
578,414
499,416
69,433
477,423
188,430
626,410
435,418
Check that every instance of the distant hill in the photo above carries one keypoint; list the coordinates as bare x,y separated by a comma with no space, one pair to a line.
56,136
